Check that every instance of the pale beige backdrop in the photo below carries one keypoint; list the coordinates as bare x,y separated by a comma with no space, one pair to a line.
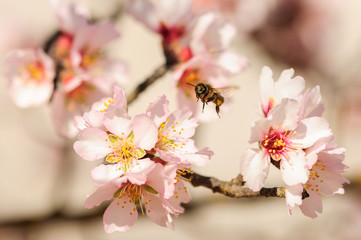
40,174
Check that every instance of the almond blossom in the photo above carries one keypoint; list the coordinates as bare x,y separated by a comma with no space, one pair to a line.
184,34
31,73
282,138
325,178
142,186
175,130
123,141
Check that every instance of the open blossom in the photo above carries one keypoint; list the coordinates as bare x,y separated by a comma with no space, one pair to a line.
31,74
272,93
122,142
184,34
325,178
175,130
205,68
142,186
282,138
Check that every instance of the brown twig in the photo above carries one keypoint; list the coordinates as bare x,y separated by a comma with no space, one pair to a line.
234,188
158,73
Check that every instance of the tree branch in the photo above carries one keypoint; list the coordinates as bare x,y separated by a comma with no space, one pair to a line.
158,73
234,188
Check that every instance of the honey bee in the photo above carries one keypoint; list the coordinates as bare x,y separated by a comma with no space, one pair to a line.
206,93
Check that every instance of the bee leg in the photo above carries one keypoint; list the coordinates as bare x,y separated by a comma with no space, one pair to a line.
203,107
217,110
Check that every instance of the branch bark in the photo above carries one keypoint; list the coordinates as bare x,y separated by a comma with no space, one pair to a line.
234,188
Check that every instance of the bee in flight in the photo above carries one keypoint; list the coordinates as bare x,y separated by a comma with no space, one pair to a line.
206,93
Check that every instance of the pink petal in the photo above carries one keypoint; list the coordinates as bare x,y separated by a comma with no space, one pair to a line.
311,130
311,205
285,114
158,110
103,174
157,179
294,169
259,129
266,84
232,62
145,132
254,168
139,171
118,126
119,219
100,195
144,11
294,195
175,12
288,87
91,144
156,211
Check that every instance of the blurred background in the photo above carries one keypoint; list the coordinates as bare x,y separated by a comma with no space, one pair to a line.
43,183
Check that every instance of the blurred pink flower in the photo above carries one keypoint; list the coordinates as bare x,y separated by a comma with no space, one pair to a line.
30,73
184,34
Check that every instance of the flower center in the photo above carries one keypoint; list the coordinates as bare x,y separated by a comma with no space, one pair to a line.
191,76
36,71
124,150
79,95
277,143
164,141
136,194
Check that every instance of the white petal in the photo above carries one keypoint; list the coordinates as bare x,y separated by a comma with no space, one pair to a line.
294,169
254,168
100,195
310,130
294,195
92,144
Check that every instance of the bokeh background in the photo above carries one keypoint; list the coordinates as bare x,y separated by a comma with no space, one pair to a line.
43,183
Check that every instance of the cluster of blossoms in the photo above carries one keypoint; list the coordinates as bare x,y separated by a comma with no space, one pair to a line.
72,72
146,158
195,45
293,136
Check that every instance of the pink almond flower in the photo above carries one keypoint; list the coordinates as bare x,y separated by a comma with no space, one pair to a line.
142,186
175,130
282,138
213,70
122,142
87,58
31,74
183,34
272,93
325,178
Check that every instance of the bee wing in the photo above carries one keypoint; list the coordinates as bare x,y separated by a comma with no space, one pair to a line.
227,91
